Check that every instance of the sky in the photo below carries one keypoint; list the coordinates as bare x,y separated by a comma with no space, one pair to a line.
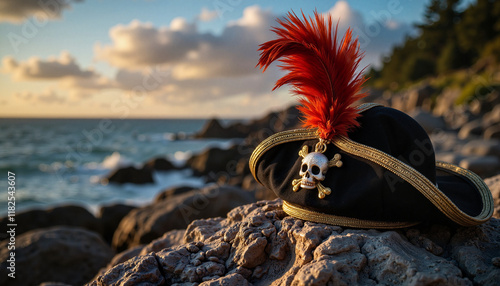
164,59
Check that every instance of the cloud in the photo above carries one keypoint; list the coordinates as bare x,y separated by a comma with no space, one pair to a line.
178,67
16,11
192,55
376,37
52,68
207,15
140,45
48,96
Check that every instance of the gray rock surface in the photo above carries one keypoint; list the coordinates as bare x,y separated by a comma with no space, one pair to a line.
60,254
259,244
147,223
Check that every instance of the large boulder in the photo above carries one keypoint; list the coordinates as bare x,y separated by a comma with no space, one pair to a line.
58,216
60,254
215,160
144,224
130,174
171,192
260,244
110,217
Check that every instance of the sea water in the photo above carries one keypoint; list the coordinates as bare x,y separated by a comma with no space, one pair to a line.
62,161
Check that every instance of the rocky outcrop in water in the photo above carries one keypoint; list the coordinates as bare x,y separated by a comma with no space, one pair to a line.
259,244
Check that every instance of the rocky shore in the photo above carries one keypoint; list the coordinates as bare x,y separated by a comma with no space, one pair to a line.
258,244
202,237
225,234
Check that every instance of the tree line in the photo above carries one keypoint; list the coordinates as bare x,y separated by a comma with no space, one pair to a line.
448,39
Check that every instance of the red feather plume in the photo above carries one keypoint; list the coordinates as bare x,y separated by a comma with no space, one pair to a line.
321,70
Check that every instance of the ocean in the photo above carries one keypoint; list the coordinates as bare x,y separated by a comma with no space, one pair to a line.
61,161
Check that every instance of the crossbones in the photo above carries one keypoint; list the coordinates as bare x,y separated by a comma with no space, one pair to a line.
313,169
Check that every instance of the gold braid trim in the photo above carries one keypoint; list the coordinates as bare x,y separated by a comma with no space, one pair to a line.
420,182
407,173
305,214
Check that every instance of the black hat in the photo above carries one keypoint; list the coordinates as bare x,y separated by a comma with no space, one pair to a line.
368,166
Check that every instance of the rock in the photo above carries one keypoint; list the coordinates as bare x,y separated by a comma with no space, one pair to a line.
130,174
482,148
142,270
60,254
213,129
169,239
492,117
483,166
449,157
144,224
58,216
492,132
214,161
159,164
494,186
228,280
469,129
428,121
171,192
458,116
416,97
446,101
447,142
485,104
259,244
122,257
110,217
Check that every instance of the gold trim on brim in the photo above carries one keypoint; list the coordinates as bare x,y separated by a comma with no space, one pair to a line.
305,214
404,171
421,183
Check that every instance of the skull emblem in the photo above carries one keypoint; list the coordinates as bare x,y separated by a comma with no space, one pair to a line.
313,169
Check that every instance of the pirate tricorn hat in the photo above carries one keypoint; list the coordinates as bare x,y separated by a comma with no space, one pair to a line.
367,166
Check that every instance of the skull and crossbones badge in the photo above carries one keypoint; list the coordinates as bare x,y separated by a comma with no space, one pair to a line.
313,169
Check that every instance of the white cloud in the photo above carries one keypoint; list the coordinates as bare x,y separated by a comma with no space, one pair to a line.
140,45
16,11
377,37
192,55
207,15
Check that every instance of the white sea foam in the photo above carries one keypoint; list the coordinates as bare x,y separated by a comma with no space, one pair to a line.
115,161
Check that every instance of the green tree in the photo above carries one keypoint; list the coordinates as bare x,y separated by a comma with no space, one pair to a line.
450,59
479,25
